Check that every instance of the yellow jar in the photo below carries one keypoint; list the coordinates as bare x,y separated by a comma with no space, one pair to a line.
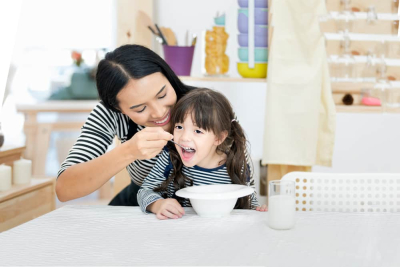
216,61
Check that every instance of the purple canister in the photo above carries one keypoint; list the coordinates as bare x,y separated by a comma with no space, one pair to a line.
179,58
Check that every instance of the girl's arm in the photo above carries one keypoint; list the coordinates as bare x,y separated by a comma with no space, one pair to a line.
88,166
254,201
250,181
152,202
146,195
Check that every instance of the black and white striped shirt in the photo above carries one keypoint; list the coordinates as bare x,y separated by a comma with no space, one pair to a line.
97,135
199,176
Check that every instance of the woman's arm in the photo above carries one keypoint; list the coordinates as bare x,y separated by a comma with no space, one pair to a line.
88,167
84,178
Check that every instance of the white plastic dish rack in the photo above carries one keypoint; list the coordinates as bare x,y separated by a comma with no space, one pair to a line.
345,192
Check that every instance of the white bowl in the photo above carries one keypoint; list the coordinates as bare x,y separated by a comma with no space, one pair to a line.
214,201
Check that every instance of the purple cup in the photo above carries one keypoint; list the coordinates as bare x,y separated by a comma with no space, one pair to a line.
259,40
260,17
179,58
257,3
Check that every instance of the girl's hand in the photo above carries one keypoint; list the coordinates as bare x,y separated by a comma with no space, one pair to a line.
262,208
148,143
167,209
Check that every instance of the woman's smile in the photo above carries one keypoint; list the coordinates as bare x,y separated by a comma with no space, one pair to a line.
165,120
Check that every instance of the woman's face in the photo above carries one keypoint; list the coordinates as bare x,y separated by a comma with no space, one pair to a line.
148,101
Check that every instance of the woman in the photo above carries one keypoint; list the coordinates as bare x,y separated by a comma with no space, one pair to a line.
137,90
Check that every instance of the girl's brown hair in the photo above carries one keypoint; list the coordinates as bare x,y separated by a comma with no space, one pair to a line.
211,111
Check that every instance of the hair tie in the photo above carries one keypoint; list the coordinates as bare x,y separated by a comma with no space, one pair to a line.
233,120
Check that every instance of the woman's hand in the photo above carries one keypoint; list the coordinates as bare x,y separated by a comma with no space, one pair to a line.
262,208
166,209
149,142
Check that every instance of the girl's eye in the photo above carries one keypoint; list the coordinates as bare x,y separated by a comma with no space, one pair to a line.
198,131
141,110
161,97
178,127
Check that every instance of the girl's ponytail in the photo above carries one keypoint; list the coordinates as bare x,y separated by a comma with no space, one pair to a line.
236,161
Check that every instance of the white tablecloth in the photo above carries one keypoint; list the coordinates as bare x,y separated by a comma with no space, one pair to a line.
104,235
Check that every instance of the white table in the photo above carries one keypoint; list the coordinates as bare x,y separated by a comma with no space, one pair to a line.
104,235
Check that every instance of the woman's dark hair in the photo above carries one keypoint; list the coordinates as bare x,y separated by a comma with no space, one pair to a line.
131,62
211,111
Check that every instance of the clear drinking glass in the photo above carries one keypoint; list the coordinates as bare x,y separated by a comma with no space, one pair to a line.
392,97
281,205
343,66
390,94
369,71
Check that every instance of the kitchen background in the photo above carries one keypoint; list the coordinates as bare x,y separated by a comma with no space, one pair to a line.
49,31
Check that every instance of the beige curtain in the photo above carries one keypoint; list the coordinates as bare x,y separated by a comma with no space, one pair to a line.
300,111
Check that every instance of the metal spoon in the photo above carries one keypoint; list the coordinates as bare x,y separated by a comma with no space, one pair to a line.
185,148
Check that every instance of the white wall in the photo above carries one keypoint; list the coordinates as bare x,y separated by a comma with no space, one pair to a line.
71,24
366,143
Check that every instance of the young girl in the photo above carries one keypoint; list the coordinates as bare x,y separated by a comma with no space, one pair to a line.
215,153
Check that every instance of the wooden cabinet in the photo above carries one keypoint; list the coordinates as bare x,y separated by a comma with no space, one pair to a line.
22,203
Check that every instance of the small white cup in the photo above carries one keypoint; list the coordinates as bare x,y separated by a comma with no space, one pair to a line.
281,205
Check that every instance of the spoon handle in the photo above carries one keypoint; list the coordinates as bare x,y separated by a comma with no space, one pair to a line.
177,144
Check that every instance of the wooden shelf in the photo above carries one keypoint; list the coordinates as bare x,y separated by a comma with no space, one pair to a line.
221,79
350,87
358,109
392,72
362,26
365,109
359,47
362,5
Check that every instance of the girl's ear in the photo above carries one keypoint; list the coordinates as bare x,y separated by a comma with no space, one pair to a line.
221,138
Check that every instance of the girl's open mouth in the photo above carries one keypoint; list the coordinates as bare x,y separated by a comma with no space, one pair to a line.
188,153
